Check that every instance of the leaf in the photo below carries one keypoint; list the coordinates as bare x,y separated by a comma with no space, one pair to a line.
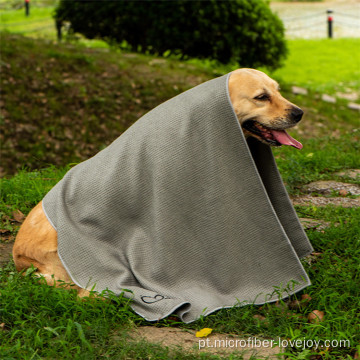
305,298
82,336
30,270
18,216
316,253
316,316
261,319
204,332
48,328
343,192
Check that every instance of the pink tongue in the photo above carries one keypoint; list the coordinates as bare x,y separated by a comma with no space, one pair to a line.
284,138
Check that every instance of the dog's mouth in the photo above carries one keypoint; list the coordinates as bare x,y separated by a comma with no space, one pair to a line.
272,137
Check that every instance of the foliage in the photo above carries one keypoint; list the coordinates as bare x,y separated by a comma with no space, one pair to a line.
242,31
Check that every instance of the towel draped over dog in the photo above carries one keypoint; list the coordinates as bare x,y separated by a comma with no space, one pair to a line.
182,211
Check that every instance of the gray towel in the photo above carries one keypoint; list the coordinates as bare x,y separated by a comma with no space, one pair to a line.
182,211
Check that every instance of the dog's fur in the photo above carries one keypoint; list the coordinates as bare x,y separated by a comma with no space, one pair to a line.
255,98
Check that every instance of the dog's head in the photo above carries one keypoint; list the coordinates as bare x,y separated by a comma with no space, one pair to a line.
261,110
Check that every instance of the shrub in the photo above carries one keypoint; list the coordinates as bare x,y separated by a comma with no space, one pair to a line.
241,31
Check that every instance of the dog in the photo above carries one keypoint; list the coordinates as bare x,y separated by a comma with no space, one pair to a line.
262,113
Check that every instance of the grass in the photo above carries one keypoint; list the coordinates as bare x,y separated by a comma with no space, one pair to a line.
40,22
319,160
43,321
325,66
65,102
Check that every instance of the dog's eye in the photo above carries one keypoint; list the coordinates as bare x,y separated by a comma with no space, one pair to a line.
262,97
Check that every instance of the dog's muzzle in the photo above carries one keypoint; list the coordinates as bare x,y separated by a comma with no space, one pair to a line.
273,137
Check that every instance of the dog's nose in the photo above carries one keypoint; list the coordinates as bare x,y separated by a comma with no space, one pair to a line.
296,114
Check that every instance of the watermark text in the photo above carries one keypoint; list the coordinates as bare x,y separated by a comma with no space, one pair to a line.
254,342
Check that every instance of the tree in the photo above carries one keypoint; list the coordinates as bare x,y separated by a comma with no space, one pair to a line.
242,31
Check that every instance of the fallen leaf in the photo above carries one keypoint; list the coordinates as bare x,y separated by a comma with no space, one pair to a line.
203,332
316,316
260,318
305,298
316,253
343,192
290,314
2,326
18,216
356,356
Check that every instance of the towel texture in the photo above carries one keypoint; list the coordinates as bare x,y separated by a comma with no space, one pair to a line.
182,211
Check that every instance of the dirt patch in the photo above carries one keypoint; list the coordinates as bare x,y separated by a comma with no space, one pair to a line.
215,343
322,201
328,187
5,253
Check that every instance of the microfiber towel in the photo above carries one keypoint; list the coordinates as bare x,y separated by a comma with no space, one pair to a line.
182,211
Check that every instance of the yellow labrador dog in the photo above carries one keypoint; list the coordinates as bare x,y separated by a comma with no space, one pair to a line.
262,112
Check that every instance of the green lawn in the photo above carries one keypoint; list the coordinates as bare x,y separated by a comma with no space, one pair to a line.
40,22
326,65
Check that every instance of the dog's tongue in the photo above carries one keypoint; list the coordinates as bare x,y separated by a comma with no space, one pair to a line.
284,138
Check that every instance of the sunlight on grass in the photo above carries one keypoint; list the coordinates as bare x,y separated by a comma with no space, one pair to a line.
326,65
39,24
13,18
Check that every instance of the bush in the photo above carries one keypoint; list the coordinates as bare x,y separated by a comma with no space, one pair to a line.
241,31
